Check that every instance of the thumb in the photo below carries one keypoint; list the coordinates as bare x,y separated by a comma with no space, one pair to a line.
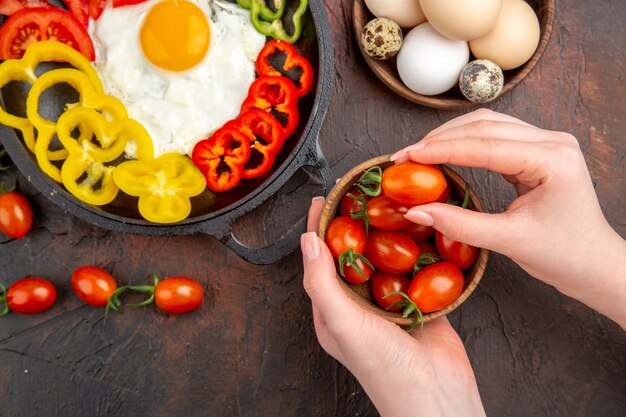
474,228
320,280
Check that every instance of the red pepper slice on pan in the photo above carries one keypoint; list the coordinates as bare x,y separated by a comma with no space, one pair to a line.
266,136
277,95
293,62
221,158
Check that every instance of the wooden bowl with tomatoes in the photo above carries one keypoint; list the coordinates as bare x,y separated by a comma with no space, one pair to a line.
374,272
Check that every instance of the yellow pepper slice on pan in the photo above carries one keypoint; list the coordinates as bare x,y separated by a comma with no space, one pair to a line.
90,98
164,186
86,172
23,70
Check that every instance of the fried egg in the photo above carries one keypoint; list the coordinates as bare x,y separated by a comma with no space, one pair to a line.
182,68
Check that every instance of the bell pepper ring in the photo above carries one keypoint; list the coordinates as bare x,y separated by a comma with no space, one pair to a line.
46,129
266,11
164,186
275,94
294,62
23,70
221,157
275,28
266,136
86,172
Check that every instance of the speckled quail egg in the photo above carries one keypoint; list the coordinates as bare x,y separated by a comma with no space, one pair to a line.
381,38
481,81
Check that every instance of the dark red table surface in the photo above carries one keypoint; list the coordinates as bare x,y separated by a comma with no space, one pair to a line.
251,349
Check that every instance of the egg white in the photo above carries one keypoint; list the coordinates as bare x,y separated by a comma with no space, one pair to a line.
178,109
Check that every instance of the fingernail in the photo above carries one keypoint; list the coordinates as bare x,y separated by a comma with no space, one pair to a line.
310,246
398,155
317,198
404,153
419,217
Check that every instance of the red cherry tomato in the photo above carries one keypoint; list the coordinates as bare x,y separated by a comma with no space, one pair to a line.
353,276
345,233
387,214
30,295
460,254
93,285
444,196
392,252
178,295
436,286
427,247
413,184
349,205
417,232
383,284
16,215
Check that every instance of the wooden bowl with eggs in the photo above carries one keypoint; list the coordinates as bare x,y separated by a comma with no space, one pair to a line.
387,72
361,293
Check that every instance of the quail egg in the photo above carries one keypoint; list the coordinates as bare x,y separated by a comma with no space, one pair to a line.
381,38
481,81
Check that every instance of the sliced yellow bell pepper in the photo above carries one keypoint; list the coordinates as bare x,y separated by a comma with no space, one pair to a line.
164,186
90,98
85,173
23,69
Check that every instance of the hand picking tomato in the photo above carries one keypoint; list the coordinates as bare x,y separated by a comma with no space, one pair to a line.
436,286
93,285
31,25
460,254
392,252
28,296
413,184
16,215
386,214
383,284
345,233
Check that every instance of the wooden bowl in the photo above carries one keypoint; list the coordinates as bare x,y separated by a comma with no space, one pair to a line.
453,99
361,293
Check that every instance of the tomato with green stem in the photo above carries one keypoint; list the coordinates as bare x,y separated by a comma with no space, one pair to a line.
358,271
16,214
32,295
93,285
384,285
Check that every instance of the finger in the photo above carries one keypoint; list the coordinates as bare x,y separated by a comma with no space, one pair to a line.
481,114
320,281
521,160
471,227
314,213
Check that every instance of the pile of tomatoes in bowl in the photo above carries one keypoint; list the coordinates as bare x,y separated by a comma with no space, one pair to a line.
405,272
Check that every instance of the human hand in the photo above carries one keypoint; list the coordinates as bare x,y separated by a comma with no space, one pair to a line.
404,374
555,229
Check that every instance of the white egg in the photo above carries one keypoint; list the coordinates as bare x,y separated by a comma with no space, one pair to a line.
429,63
178,108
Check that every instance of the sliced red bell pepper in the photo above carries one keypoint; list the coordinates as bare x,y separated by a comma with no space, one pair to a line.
95,8
80,9
221,157
294,63
8,7
266,136
277,95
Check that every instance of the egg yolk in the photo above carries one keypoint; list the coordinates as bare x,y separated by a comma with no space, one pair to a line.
175,35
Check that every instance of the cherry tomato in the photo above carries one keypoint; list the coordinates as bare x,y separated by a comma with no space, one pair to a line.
349,205
178,295
413,184
16,215
386,214
460,254
30,295
383,283
352,275
43,23
427,247
417,232
345,233
93,285
392,252
444,196
436,286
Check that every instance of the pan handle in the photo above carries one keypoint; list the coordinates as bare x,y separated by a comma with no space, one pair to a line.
291,240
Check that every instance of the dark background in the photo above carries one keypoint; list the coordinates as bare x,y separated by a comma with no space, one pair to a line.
251,349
